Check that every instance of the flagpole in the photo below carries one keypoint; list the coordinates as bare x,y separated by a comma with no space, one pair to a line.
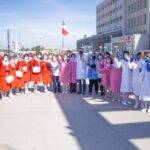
62,41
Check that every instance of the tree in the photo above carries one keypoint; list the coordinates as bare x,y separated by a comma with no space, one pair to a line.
37,48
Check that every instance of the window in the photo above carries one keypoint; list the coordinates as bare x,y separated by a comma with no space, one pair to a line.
145,19
138,5
138,21
145,3
141,4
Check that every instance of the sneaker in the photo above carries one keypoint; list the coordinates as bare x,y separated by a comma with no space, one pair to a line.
136,106
148,111
144,110
124,103
113,100
36,91
12,96
3,98
46,91
26,91
130,103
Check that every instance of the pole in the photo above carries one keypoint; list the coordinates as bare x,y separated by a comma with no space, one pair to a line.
63,42
111,44
8,40
40,43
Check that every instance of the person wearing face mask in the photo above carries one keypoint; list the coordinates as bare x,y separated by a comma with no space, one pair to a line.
6,76
115,78
100,65
36,71
144,80
92,74
19,75
46,72
136,66
73,70
13,70
26,68
81,72
55,74
126,79
64,77
106,71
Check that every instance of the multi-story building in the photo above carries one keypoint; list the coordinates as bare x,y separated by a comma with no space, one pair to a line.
126,23
110,16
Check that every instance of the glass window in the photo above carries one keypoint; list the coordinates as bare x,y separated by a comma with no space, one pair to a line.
145,18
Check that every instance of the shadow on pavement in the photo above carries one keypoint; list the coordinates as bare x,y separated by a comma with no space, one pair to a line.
93,131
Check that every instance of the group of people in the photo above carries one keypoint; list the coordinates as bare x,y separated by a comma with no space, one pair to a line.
114,77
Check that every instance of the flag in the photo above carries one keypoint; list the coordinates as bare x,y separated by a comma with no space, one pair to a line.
65,31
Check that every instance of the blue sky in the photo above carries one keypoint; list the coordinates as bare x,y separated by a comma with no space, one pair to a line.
43,18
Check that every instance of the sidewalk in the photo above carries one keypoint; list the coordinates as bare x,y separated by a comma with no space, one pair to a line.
71,122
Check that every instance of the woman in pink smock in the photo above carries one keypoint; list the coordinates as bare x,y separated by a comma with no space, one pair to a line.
65,74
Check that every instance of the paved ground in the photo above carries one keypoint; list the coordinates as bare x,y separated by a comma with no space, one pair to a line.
71,122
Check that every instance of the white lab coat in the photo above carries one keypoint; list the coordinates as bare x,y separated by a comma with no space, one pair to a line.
144,79
81,67
126,79
136,66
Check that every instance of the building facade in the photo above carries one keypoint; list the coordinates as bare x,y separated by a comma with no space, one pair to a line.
110,16
126,19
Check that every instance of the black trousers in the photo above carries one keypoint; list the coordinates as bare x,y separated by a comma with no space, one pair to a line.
73,87
56,84
91,83
101,86
82,85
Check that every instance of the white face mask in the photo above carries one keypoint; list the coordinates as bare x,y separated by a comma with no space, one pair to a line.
12,61
16,60
45,57
6,59
39,56
26,58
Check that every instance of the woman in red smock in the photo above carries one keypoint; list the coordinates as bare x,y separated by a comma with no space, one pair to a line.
26,67
46,72
19,75
36,71
5,72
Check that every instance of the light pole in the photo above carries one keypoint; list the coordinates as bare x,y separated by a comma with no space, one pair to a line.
40,43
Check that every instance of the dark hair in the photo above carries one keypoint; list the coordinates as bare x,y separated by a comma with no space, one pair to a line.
26,55
111,61
107,53
126,52
38,53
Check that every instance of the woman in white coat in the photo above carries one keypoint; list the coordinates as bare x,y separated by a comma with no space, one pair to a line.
126,79
136,66
81,72
144,79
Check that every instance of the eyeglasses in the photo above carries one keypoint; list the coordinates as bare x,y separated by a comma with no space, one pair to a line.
148,56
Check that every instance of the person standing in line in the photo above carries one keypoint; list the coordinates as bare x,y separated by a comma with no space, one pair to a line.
6,76
46,72
26,68
73,70
126,78
81,72
64,77
56,72
36,71
92,75
136,66
99,75
144,80
106,76
115,78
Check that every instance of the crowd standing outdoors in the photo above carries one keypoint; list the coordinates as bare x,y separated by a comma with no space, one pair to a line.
112,76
